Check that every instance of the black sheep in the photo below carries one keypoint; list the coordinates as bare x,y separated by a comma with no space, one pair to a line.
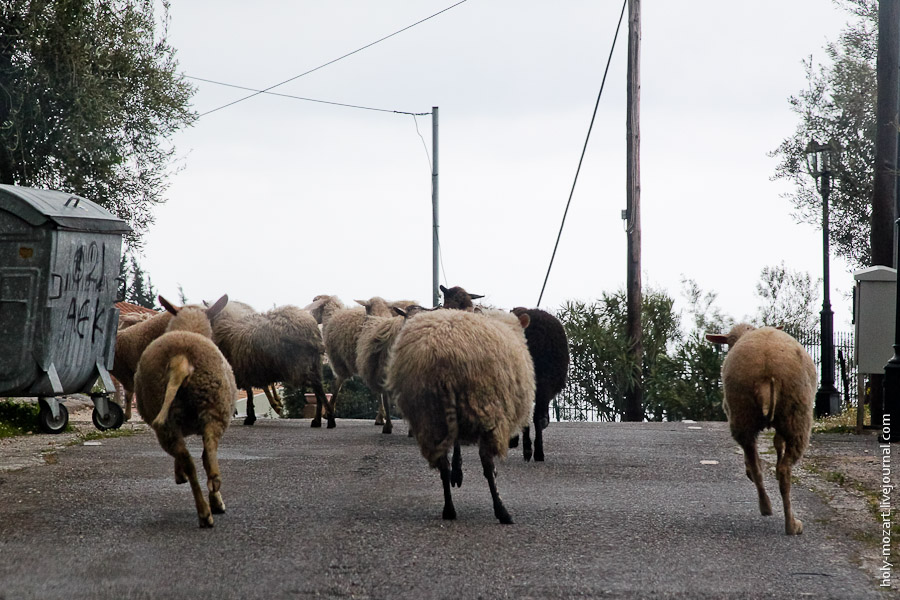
549,349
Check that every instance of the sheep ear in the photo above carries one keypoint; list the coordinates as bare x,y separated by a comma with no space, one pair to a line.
717,338
216,308
168,305
362,303
524,320
443,289
399,311
779,327
476,296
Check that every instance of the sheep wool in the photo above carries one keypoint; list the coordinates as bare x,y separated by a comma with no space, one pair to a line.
185,387
283,344
769,381
463,377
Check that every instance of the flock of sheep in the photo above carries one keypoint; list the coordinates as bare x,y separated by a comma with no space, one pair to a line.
457,373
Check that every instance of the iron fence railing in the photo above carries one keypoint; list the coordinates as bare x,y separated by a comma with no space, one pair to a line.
576,403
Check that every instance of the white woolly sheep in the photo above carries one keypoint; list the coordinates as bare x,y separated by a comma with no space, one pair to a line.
463,377
341,328
280,345
131,341
769,381
373,348
185,387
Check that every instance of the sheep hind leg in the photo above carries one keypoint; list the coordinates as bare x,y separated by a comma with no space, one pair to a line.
456,473
274,401
754,474
449,513
386,408
526,443
321,401
330,406
184,467
213,476
251,410
538,443
490,473
787,455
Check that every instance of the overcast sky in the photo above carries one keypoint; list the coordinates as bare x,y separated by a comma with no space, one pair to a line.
279,200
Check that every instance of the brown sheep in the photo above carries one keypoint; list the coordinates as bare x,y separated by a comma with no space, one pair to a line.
769,381
185,387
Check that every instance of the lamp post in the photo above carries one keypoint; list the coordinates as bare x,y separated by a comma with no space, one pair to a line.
820,159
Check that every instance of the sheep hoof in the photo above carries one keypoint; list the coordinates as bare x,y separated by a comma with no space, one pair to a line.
449,513
456,477
216,504
316,423
387,428
538,457
207,522
331,424
765,508
797,528
504,518
379,420
249,420
527,454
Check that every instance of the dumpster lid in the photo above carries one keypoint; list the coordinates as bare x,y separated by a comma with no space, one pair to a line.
67,211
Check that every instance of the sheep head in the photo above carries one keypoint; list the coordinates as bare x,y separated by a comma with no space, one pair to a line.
458,298
193,317
376,307
732,337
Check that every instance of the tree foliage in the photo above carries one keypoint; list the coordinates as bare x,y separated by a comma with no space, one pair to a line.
89,98
600,364
136,286
839,105
787,298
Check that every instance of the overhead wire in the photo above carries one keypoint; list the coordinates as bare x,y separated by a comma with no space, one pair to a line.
293,97
331,62
583,151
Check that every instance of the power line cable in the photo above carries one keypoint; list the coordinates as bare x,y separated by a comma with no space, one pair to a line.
583,150
331,62
291,96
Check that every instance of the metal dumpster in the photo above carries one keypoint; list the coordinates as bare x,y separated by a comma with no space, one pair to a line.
59,265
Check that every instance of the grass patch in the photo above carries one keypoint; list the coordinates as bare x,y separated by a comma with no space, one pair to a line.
17,418
842,423
96,434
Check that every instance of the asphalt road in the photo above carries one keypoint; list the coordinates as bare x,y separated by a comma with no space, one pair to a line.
616,511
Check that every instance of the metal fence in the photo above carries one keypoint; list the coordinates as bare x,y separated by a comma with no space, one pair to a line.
573,405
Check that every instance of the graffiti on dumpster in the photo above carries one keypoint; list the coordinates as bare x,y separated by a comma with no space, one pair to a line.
86,276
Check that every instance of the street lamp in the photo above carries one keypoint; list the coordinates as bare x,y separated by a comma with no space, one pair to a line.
820,161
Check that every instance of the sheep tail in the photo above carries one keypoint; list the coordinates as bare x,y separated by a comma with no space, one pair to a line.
769,398
180,368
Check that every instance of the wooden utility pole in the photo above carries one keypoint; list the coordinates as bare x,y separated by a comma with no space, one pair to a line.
884,189
634,398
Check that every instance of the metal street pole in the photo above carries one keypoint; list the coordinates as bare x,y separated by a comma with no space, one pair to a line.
435,240
828,399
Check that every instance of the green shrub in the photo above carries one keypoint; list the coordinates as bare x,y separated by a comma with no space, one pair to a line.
17,418
355,402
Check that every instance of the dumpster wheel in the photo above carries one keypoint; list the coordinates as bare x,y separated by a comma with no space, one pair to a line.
115,416
48,424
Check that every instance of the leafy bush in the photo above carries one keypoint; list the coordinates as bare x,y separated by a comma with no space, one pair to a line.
17,418
355,401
